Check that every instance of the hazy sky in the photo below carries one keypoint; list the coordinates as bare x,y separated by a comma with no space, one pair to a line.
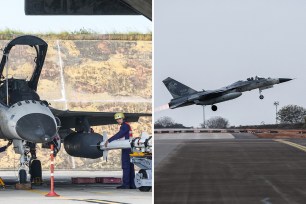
12,16
208,44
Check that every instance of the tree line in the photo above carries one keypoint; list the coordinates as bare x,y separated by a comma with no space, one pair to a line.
290,114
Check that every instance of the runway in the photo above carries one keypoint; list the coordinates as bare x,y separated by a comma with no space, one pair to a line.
72,193
241,169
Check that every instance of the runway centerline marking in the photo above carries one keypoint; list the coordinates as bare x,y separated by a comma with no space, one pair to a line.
300,147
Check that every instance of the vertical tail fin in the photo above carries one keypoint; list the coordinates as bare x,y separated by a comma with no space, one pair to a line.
177,89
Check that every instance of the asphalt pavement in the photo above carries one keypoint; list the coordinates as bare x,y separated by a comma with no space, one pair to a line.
235,170
72,193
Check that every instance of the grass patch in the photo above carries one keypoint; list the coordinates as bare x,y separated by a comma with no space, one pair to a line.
81,34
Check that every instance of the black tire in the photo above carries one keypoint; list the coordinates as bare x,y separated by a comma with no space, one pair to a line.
35,170
144,188
214,108
22,176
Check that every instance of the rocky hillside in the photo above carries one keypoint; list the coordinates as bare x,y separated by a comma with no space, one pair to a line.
89,75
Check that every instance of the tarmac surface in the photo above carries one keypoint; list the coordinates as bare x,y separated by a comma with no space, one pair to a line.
71,193
240,169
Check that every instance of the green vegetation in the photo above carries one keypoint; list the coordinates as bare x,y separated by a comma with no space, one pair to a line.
81,34
8,31
291,114
167,122
216,122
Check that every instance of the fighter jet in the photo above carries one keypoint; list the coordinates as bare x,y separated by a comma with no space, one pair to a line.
26,119
185,96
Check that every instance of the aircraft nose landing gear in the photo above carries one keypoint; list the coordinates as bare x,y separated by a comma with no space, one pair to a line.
260,95
28,161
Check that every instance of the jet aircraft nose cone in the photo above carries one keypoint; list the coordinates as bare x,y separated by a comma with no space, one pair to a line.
36,127
282,80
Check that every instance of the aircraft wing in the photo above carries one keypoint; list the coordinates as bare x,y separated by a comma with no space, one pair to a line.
212,94
178,104
70,118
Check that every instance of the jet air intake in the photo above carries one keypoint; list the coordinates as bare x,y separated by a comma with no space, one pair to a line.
219,99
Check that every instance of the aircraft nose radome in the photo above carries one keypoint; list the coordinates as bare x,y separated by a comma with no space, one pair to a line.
36,127
282,80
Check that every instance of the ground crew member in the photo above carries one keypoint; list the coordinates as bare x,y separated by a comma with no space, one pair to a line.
128,168
2,149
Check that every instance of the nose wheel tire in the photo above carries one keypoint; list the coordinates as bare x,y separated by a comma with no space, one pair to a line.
261,97
36,172
22,176
214,108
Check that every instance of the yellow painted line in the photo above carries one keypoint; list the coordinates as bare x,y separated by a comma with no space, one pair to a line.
98,201
66,198
101,201
45,193
300,147
38,192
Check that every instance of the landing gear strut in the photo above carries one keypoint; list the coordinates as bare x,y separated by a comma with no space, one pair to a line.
260,95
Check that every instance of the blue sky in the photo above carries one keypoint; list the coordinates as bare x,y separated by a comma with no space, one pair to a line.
12,16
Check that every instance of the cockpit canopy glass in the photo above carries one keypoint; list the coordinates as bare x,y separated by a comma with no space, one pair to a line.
21,62
254,78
